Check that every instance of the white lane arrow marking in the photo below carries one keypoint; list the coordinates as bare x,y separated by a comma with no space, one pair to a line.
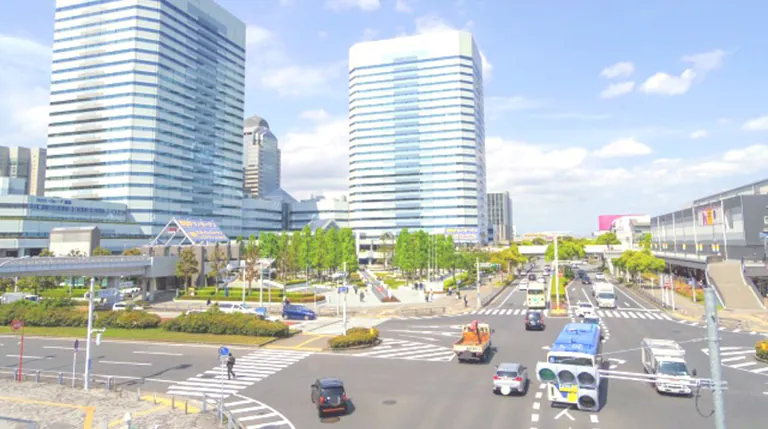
616,362
407,331
546,348
564,413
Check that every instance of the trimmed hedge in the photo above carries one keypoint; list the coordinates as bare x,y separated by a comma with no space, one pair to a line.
237,295
215,322
293,282
355,337
128,319
450,282
761,349
56,313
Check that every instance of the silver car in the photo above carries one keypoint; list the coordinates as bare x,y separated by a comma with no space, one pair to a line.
510,378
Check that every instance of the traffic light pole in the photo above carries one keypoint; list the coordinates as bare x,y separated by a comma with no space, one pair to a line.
557,277
477,268
714,357
89,334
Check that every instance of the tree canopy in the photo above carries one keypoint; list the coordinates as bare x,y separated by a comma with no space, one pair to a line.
639,262
607,238
568,248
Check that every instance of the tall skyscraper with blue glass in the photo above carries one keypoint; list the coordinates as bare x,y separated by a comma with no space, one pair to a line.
147,108
417,136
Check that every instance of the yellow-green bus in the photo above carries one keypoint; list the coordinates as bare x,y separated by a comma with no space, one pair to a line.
536,295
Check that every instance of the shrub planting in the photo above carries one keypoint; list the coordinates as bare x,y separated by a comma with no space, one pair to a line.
252,295
450,283
62,313
215,322
128,319
761,349
355,337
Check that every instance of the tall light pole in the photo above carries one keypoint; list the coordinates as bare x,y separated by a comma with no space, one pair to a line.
477,268
87,371
714,357
557,277
261,284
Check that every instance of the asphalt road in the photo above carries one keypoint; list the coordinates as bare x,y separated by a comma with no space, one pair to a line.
412,380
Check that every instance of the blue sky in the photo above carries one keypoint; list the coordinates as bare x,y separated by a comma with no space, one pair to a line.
592,107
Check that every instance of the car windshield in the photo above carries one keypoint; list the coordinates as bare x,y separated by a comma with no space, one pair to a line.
535,292
245,306
509,374
534,316
585,305
673,368
592,321
333,391
606,295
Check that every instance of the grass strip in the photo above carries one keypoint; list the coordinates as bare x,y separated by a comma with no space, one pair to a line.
157,335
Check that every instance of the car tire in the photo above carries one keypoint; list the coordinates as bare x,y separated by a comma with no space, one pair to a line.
320,413
285,316
306,317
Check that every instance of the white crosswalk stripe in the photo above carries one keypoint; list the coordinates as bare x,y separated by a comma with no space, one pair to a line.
252,414
409,350
250,369
741,358
603,313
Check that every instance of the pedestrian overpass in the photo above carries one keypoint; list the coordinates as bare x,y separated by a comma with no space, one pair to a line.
603,251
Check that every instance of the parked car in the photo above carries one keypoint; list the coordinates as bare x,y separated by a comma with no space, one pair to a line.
264,314
122,306
329,396
600,276
237,307
299,312
509,378
534,320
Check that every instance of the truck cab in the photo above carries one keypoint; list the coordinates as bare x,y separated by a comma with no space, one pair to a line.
666,360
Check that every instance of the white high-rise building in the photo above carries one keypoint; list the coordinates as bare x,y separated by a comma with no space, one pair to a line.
417,136
147,109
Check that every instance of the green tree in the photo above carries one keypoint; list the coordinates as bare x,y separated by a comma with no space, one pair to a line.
187,266
538,241
633,263
251,258
217,262
528,243
348,250
645,241
420,242
101,251
405,254
332,250
46,253
387,247
320,247
566,250
133,251
305,250
283,255
608,238
38,283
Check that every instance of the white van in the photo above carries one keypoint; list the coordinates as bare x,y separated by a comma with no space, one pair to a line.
605,295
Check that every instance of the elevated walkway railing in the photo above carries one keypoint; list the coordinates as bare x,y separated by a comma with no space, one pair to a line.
10,267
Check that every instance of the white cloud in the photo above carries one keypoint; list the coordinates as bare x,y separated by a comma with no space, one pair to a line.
403,6
699,134
623,148
700,64
315,115
369,34
666,84
433,23
363,5
495,106
24,99
270,67
757,124
622,69
617,89
315,160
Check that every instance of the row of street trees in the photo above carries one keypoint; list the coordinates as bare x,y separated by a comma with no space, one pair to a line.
608,238
633,264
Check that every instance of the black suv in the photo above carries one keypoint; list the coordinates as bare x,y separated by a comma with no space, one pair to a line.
586,281
534,320
329,396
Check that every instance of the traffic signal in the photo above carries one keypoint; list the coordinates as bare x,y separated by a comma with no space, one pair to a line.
575,384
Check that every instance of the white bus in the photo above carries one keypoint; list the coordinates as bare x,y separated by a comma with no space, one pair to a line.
536,295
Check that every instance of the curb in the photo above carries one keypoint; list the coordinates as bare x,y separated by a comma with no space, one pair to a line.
129,341
759,359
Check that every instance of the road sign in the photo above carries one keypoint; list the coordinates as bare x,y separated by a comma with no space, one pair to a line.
343,289
486,265
17,324
77,344
223,351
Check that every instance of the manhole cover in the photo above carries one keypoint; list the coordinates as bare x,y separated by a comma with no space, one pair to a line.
389,402
330,420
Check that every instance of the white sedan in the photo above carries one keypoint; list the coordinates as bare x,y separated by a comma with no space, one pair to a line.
122,306
600,276
523,286
585,309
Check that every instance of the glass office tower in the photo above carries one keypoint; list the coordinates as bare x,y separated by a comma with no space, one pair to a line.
147,108
416,136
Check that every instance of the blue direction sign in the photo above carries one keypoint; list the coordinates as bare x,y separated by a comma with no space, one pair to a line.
223,351
343,289
77,344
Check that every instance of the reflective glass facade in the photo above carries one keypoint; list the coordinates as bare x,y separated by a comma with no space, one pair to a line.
262,158
147,108
417,135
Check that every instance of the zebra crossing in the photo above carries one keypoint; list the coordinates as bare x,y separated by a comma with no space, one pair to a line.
616,314
250,369
408,350
741,358
252,414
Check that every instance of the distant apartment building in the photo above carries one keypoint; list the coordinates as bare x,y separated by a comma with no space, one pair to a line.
500,217
417,137
261,158
147,109
24,169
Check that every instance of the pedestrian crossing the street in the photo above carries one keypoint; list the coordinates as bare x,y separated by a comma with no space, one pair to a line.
250,369
616,314
741,358
408,350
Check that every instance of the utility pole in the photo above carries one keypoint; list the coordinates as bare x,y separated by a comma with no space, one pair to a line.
87,371
715,367
261,284
477,268
557,277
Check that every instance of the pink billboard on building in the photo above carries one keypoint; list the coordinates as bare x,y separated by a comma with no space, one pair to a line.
604,222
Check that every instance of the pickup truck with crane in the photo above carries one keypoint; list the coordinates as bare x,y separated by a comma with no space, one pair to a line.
475,342
666,360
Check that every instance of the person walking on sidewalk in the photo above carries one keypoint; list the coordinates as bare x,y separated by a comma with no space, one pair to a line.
466,303
230,367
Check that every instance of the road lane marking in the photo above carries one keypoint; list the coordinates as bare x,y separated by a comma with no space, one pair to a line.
633,299
536,405
539,395
593,418
158,353
31,357
509,296
112,362
71,349
733,359
745,364
534,418
420,338
564,413
760,370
